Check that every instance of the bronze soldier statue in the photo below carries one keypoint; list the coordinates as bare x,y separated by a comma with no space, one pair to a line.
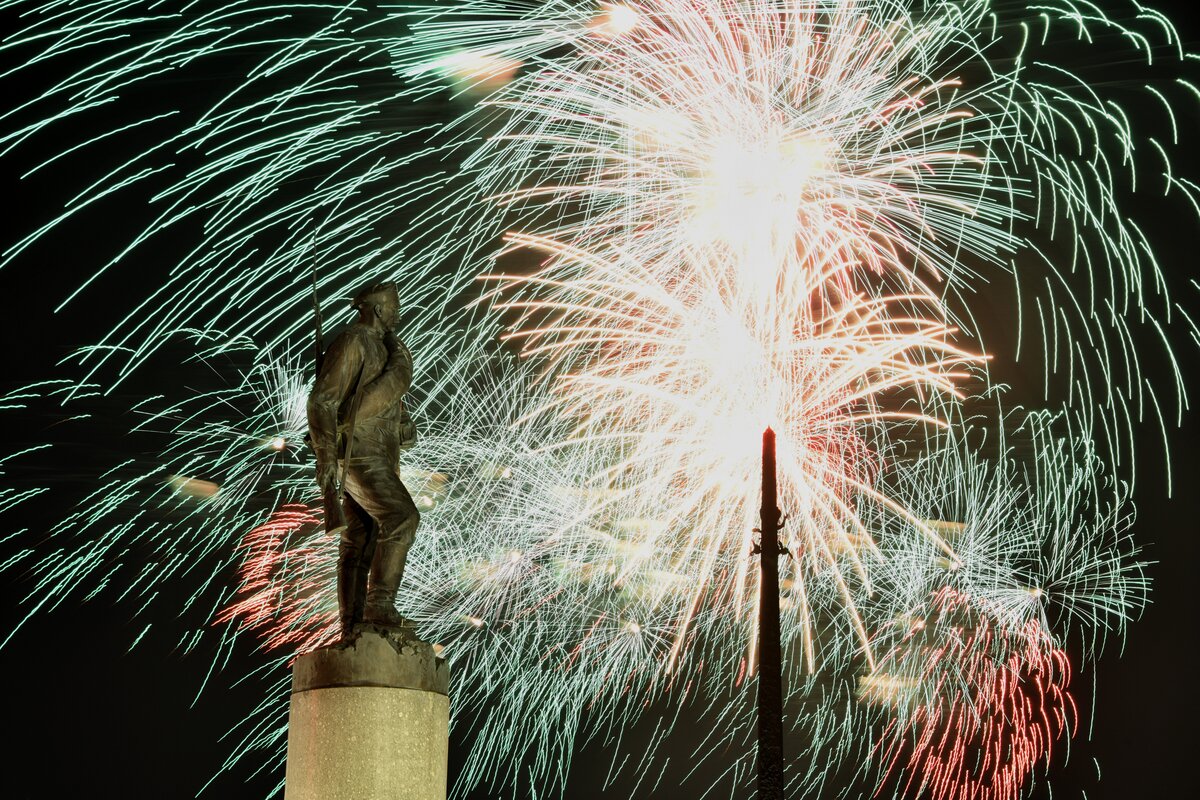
358,424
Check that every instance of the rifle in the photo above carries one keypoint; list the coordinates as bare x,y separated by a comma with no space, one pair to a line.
340,489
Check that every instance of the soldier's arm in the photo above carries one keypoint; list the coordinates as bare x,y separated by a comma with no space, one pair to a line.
339,373
391,384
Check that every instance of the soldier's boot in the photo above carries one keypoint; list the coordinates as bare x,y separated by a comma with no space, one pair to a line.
387,569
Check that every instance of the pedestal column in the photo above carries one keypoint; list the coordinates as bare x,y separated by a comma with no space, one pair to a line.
369,720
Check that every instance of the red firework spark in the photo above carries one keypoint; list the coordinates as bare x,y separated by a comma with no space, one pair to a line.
285,579
994,701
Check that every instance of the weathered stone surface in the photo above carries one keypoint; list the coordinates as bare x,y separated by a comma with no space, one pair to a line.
373,657
369,720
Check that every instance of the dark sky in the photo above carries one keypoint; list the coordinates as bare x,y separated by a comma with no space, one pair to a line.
89,716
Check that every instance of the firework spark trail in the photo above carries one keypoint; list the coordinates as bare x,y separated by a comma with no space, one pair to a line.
740,213
269,585
995,701
587,614
625,118
225,459
1025,528
876,131
974,679
1038,538
680,371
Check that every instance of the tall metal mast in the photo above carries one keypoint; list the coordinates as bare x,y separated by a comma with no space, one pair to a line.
770,678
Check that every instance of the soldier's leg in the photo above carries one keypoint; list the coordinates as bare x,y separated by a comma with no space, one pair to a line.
352,552
364,568
387,569
382,494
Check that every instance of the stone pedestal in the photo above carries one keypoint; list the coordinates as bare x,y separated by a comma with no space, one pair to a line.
369,720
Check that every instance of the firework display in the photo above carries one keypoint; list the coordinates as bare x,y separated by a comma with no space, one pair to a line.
628,237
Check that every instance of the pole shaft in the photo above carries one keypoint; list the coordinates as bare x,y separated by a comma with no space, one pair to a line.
770,669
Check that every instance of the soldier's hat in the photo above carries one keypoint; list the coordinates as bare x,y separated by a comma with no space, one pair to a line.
376,293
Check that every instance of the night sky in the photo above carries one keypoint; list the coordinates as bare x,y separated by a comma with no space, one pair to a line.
89,716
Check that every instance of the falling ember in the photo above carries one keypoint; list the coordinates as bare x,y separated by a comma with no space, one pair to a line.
193,487
476,71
